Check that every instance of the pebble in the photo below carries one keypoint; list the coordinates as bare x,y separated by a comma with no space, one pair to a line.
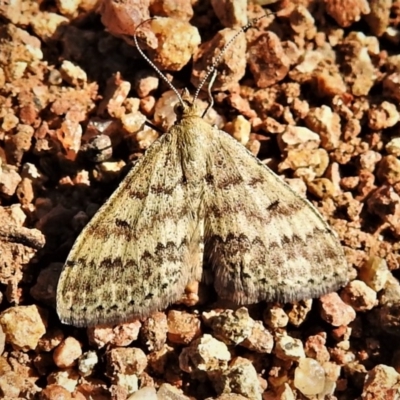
393,147
326,124
181,9
183,327
120,335
241,378
381,383
297,137
388,170
145,393
67,378
288,348
154,331
73,74
146,81
124,385
125,361
321,188
335,311
205,354
359,296
232,327
239,128
379,17
309,377
9,180
87,362
231,14
383,116
169,392
23,326
315,347
374,273
298,311
67,352
275,317
177,42
54,391
233,62
346,13
267,50
260,340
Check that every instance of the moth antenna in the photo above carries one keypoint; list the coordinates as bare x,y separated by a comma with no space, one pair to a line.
213,66
152,65
210,96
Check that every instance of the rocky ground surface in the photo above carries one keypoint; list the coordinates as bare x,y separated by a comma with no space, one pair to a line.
313,90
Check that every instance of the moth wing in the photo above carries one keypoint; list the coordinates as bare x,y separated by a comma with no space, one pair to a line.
262,240
141,248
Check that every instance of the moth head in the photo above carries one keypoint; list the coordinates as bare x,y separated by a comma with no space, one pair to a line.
184,109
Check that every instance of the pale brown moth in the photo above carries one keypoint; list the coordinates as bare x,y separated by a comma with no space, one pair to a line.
197,201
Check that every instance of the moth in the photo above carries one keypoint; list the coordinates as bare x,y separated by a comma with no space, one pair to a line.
197,202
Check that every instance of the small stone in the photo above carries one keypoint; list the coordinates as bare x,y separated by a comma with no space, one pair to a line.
183,327
125,361
120,335
240,378
288,348
154,331
391,86
383,116
321,188
68,351
181,9
9,180
375,273
177,42
233,62
388,170
55,391
359,296
316,161
23,326
67,378
239,128
116,93
169,392
204,354
379,17
275,317
232,327
315,347
73,74
18,144
347,12
231,13
382,382
298,311
146,81
369,159
133,122
335,311
87,362
260,340
125,385
326,124
309,377
393,147
390,294
267,60
297,137
145,393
